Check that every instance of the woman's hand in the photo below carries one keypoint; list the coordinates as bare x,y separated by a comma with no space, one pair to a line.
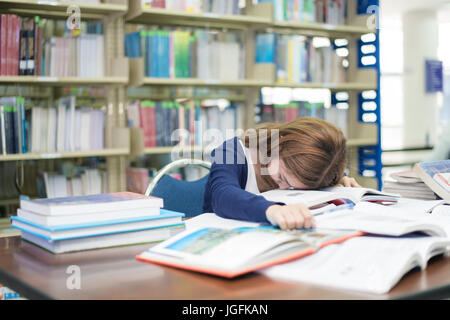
348,182
289,217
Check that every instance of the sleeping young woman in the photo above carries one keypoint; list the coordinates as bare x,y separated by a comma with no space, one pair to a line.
308,153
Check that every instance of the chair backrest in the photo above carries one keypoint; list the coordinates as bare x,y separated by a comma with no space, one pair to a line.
181,196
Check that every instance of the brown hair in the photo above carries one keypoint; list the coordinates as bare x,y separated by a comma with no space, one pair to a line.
313,150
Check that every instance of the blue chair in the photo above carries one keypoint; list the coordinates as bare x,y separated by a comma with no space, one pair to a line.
180,196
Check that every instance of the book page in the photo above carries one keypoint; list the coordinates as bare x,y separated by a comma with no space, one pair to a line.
356,194
224,248
377,219
233,248
308,197
211,220
370,264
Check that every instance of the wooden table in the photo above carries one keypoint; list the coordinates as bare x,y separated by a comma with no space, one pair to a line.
114,273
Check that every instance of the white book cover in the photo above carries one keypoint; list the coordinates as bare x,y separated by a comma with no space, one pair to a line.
77,130
61,220
43,127
85,129
119,239
61,128
228,61
35,129
51,130
77,188
91,203
100,58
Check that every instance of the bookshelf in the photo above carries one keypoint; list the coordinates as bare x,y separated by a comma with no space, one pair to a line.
62,81
119,16
66,155
116,137
362,135
58,9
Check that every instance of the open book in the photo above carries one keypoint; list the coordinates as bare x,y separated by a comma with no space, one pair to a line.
315,198
382,220
229,252
436,176
369,264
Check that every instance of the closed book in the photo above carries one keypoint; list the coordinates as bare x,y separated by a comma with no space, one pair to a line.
3,130
103,241
91,203
3,44
74,231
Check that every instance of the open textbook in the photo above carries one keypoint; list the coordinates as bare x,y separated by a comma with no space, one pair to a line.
313,198
230,252
383,220
369,264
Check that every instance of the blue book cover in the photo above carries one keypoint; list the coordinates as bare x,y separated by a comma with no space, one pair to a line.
164,214
48,238
132,45
166,55
153,53
148,54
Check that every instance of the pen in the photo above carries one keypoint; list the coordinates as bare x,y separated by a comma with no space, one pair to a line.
338,208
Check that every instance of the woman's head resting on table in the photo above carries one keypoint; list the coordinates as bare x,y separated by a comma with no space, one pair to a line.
308,153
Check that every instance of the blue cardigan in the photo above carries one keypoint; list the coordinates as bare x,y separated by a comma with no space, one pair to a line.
225,193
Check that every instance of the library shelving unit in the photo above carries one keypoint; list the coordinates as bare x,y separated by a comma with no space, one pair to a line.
111,14
362,85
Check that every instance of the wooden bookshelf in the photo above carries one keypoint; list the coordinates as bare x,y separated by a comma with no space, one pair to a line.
324,30
352,143
166,150
62,81
64,155
156,16
351,86
58,9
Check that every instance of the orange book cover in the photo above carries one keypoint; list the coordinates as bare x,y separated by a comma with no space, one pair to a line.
230,253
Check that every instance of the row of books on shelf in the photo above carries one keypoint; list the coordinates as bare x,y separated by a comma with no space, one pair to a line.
95,221
59,128
195,6
55,178
301,11
169,123
300,59
86,182
187,54
310,11
31,46
283,113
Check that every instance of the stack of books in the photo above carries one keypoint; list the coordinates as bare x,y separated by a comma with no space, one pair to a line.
408,185
97,221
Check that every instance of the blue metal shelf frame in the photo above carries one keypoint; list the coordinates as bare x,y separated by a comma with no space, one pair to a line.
369,157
